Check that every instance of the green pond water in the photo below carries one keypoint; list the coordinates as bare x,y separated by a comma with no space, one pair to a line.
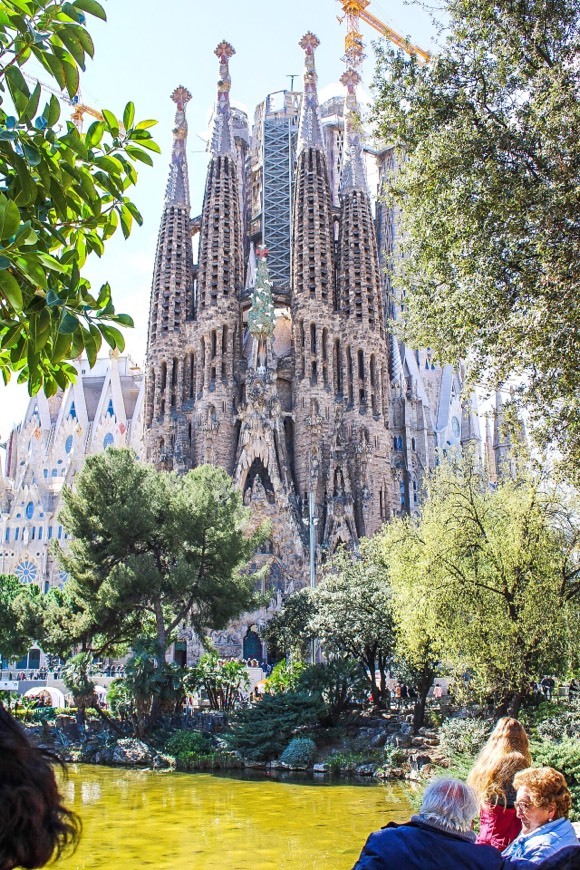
172,821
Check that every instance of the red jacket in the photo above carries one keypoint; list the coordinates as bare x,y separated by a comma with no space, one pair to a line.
498,825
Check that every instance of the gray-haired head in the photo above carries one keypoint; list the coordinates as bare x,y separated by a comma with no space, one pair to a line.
449,804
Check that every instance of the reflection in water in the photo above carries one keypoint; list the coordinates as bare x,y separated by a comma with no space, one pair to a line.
172,821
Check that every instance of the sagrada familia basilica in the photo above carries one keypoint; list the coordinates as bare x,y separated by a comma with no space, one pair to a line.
270,356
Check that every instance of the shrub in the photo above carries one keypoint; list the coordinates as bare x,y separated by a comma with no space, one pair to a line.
285,676
564,724
222,681
464,736
347,762
300,752
394,755
120,700
262,731
339,683
192,742
565,757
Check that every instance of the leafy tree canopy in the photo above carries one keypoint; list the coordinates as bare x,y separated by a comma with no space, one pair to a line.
353,615
489,577
18,625
149,550
62,195
287,632
487,187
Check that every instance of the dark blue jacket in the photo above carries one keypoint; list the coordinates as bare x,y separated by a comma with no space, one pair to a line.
418,846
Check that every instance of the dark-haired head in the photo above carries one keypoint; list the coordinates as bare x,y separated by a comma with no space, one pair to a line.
34,824
565,859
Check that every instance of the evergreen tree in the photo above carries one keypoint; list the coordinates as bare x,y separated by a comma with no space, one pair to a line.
149,551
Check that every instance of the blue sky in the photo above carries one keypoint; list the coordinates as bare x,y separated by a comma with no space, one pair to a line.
145,50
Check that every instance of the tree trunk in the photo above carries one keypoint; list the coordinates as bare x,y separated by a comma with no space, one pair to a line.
423,686
112,725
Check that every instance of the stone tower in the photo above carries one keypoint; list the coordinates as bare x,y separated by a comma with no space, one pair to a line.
171,308
325,421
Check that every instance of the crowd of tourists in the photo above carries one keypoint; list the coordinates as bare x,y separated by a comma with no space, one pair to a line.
523,817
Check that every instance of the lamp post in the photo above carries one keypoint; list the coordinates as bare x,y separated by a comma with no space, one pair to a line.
312,529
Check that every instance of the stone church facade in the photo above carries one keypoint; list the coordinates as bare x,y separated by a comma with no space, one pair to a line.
268,353
291,382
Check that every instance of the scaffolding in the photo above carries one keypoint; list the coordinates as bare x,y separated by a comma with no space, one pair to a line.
273,160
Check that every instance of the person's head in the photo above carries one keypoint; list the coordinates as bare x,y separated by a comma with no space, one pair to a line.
542,796
34,824
564,859
449,804
507,750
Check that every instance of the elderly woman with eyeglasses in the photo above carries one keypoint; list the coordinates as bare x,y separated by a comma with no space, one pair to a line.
542,803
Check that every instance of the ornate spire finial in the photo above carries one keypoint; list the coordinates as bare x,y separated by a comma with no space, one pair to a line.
177,192
262,317
310,132
222,139
353,175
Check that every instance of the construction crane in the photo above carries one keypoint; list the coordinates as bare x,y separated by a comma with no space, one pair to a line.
79,108
354,12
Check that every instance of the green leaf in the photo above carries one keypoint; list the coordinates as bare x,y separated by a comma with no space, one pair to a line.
43,324
126,219
32,104
9,218
32,156
71,77
150,144
53,113
112,336
32,269
86,41
53,65
10,289
69,324
95,133
27,193
128,115
138,154
92,7
69,9
124,320
144,125
10,336
69,37
61,347
111,122
17,83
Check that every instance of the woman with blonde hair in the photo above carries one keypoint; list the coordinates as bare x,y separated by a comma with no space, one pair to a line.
506,752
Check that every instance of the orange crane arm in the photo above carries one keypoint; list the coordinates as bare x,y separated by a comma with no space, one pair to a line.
355,10
395,37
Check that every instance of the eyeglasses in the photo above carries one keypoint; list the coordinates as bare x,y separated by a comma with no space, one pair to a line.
523,805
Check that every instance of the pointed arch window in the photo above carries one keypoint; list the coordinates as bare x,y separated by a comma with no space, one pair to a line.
110,412
72,411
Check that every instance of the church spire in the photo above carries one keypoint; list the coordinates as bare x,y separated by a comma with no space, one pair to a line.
177,192
309,131
222,138
221,265
353,170
172,288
